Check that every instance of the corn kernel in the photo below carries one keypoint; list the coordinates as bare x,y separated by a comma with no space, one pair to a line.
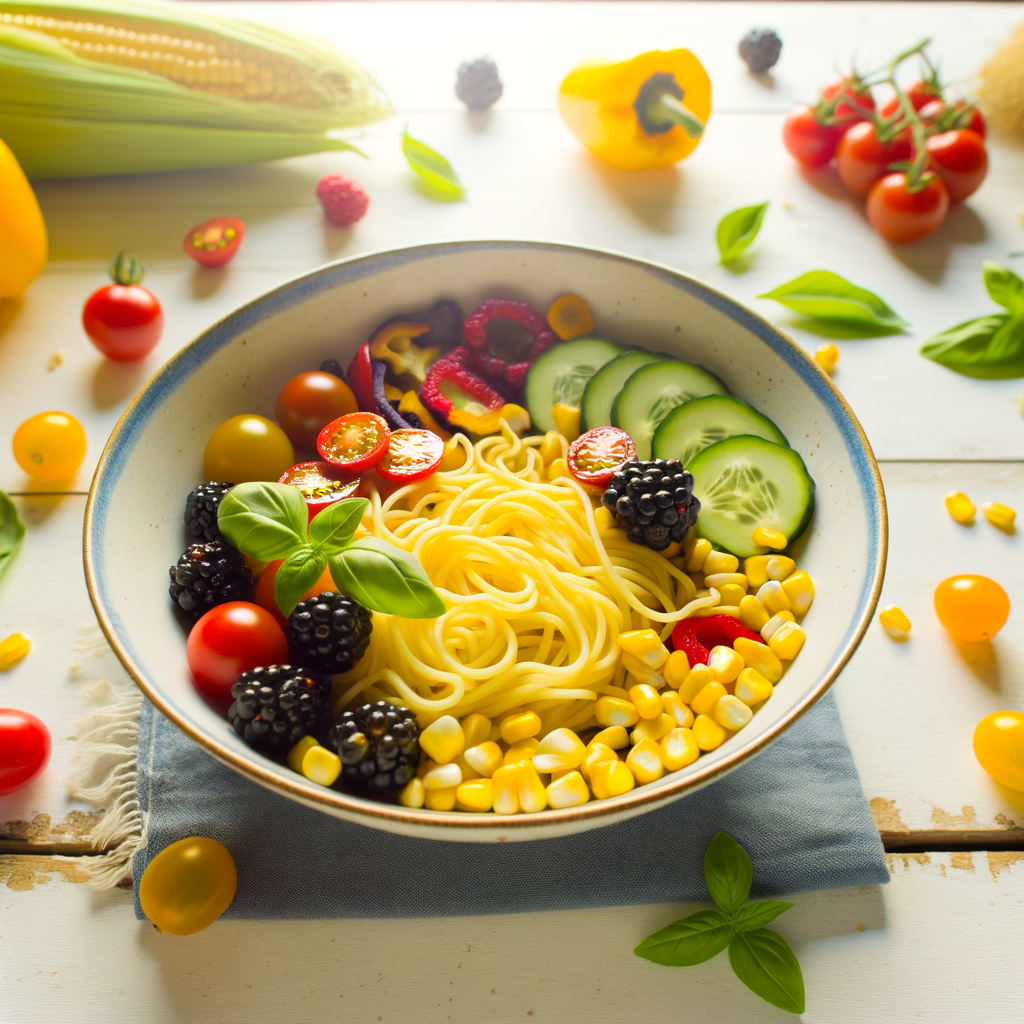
678,749
719,562
443,740
532,795
759,657
799,588
413,794
960,507
672,550
721,579
769,628
766,537
705,701
557,469
640,672
521,751
559,750
611,778
520,726
698,677
444,776
605,520
596,753
701,550
1000,516
731,713
787,641
12,649
707,733
676,669
752,613
475,795
440,799
826,356
718,609
468,771
645,645
321,765
773,597
653,728
299,751
475,729
681,715
646,700
779,567
615,711
725,663
731,594
568,791
755,568
551,447
894,621
752,687
567,421
644,761
506,789
615,736
485,758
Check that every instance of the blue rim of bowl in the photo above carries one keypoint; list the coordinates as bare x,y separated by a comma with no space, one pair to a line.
192,356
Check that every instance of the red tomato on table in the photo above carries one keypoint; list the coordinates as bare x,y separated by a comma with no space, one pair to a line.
861,159
807,140
214,242
24,748
123,320
900,215
961,159
858,102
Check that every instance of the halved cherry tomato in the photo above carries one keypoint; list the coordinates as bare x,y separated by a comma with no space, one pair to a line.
960,157
920,95
861,159
594,457
807,140
24,748
214,242
861,102
310,401
360,378
900,215
354,442
412,455
320,484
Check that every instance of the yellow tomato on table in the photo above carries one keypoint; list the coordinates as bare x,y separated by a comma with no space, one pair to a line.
999,748
972,608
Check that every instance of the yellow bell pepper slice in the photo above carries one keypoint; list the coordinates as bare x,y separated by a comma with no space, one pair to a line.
408,362
22,231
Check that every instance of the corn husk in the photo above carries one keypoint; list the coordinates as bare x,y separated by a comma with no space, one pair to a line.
68,112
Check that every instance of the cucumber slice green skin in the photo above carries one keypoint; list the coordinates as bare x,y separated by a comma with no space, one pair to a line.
601,389
561,374
744,482
653,391
691,427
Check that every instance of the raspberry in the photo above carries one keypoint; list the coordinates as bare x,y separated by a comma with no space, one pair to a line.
344,201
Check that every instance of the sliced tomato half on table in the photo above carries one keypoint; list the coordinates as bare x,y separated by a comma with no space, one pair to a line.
320,483
214,242
596,456
355,442
412,455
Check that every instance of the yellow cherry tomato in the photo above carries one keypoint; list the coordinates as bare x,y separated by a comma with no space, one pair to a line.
188,885
50,445
246,448
999,748
972,608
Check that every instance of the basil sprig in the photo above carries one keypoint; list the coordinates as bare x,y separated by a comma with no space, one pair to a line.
433,169
269,521
760,958
834,307
990,347
11,531
737,230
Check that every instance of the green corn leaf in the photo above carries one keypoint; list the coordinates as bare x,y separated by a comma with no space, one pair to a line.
728,872
264,520
433,168
763,961
738,229
1004,286
296,574
386,580
12,529
333,528
757,915
689,941
990,347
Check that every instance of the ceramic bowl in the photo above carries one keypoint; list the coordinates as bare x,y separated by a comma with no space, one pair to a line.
134,530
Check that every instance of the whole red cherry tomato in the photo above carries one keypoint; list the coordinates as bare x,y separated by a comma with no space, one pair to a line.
24,748
959,115
861,159
807,140
596,456
308,402
920,95
900,215
214,242
355,442
123,320
960,157
230,639
860,101
412,455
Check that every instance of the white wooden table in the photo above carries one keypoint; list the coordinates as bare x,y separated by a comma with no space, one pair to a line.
944,940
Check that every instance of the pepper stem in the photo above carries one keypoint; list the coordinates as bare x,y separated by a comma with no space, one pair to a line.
126,269
659,107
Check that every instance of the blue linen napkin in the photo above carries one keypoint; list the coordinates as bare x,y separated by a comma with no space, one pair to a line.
797,808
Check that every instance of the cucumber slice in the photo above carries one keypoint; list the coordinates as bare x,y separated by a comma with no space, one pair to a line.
689,428
652,392
561,374
601,389
745,482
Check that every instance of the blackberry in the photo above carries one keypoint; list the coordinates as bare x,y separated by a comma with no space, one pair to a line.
329,633
760,49
653,501
478,84
332,366
209,574
274,707
201,510
379,746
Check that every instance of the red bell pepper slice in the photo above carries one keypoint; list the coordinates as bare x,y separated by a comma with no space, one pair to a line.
214,242
479,345
696,637
482,399
360,379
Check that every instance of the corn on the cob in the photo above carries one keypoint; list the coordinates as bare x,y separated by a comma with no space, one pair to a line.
111,87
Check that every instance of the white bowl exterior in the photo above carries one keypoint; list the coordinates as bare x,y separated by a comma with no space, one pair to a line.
155,456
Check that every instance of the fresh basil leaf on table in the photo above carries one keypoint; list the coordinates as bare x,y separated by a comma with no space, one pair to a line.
1004,286
12,529
990,348
433,168
763,961
757,915
737,230
385,579
296,574
728,872
264,520
690,941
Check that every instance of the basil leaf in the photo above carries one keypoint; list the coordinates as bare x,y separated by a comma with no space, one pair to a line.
764,963
822,295
1004,286
386,580
432,168
757,915
728,872
335,526
11,531
990,347
738,229
264,520
690,941
296,574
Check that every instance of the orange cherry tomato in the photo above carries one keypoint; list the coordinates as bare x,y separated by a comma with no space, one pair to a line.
320,484
972,608
354,442
412,455
214,242
308,402
900,215
264,596
999,748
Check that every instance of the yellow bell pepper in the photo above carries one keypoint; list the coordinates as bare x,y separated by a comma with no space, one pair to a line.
638,110
22,231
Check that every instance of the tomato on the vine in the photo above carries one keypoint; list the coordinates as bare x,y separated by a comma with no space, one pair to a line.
412,455
919,93
938,112
858,102
861,159
24,748
354,442
900,215
807,139
123,320
596,456
308,402
214,242
961,159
